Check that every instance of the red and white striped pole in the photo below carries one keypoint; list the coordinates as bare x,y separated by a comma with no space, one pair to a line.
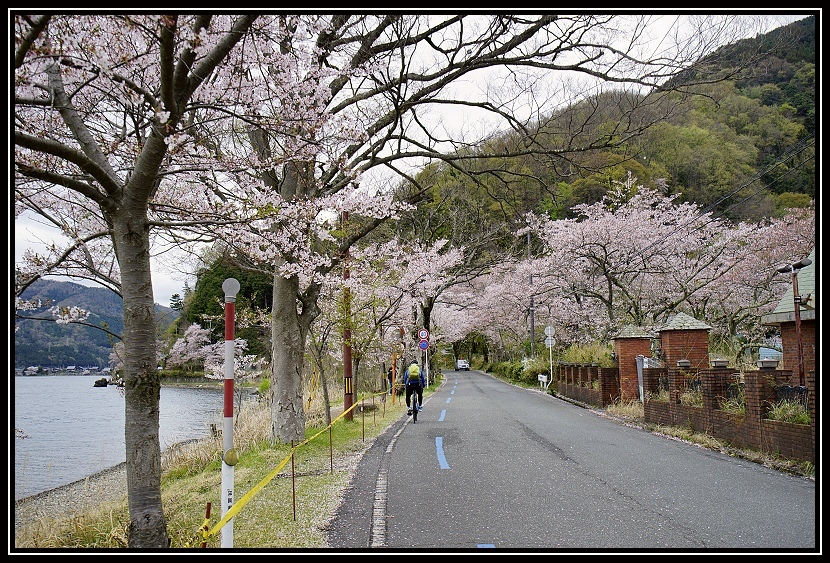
229,457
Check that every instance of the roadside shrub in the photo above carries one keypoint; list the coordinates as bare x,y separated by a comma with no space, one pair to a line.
662,396
264,386
501,368
595,353
515,370
691,397
535,366
789,411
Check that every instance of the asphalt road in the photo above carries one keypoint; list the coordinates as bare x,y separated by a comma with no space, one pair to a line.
491,466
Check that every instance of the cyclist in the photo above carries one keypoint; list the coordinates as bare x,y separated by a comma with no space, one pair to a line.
414,381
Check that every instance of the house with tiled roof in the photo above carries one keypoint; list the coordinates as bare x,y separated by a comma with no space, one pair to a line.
784,316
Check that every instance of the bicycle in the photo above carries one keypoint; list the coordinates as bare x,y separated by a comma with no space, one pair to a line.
414,407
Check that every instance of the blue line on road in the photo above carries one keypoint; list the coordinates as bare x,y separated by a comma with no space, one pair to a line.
452,392
441,418
439,447
449,399
486,545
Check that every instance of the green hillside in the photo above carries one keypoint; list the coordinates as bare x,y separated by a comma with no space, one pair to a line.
48,344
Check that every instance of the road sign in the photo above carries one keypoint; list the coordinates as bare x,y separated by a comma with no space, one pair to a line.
543,377
549,330
423,344
423,334
550,341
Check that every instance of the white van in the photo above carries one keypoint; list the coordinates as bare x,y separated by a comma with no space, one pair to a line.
462,365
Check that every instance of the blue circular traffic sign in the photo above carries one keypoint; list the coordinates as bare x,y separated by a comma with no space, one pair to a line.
423,344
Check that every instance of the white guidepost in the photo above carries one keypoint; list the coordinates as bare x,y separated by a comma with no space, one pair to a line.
549,342
229,458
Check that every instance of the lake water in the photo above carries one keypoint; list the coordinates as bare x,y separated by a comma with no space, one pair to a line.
74,429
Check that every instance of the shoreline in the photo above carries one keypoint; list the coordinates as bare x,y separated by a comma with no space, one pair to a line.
106,486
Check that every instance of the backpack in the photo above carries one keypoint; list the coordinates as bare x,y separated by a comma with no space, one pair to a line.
414,372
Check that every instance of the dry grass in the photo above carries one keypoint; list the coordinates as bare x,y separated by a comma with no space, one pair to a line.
631,412
286,508
627,410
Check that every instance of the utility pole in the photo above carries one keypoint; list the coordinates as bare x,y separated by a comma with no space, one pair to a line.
793,270
532,310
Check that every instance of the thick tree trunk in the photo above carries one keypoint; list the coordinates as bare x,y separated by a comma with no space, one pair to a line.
148,526
287,347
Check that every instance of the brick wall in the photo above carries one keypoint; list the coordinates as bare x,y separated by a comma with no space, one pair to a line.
753,430
692,345
627,350
575,381
808,344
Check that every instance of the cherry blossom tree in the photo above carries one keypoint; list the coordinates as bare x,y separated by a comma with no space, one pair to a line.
101,106
403,280
215,360
191,348
386,284
638,257
741,286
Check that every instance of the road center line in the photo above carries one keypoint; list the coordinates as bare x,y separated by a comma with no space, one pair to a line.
439,447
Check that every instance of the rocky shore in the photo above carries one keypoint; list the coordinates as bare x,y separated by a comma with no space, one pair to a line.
62,503
109,485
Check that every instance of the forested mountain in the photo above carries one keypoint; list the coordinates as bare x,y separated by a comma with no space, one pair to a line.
742,148
48,344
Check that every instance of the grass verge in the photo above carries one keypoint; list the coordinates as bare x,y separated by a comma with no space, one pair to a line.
290,508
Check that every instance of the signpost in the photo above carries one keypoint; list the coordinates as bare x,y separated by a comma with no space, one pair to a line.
549,342
423,345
